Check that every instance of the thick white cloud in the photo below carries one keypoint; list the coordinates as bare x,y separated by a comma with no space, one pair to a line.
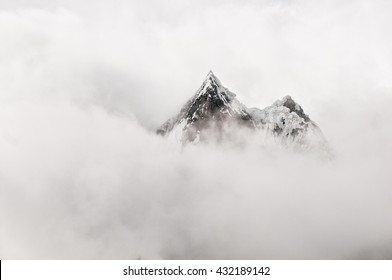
83,85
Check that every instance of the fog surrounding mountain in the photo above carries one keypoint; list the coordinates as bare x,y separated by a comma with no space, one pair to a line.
85,84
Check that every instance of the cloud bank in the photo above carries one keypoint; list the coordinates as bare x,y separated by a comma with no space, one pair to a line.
83,175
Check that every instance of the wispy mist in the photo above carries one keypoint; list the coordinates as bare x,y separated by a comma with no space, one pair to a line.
83,174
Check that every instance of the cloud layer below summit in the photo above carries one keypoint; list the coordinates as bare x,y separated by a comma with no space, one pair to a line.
84,85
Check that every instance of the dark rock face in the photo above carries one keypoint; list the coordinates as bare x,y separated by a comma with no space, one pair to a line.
211,106
294,107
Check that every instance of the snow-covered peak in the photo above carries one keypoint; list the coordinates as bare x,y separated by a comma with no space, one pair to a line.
293,106
213,108
211,85
211,75
212,103
286,120
211,78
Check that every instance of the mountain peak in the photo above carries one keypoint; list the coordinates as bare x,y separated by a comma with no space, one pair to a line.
214,111
211,76
210,82
293,106
212,103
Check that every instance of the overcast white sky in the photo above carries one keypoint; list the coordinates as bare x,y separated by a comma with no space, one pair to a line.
83,85
150,56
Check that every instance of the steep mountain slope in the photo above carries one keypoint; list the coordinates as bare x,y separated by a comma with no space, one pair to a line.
211,108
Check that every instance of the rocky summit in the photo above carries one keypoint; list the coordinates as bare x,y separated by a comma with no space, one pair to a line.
213,108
